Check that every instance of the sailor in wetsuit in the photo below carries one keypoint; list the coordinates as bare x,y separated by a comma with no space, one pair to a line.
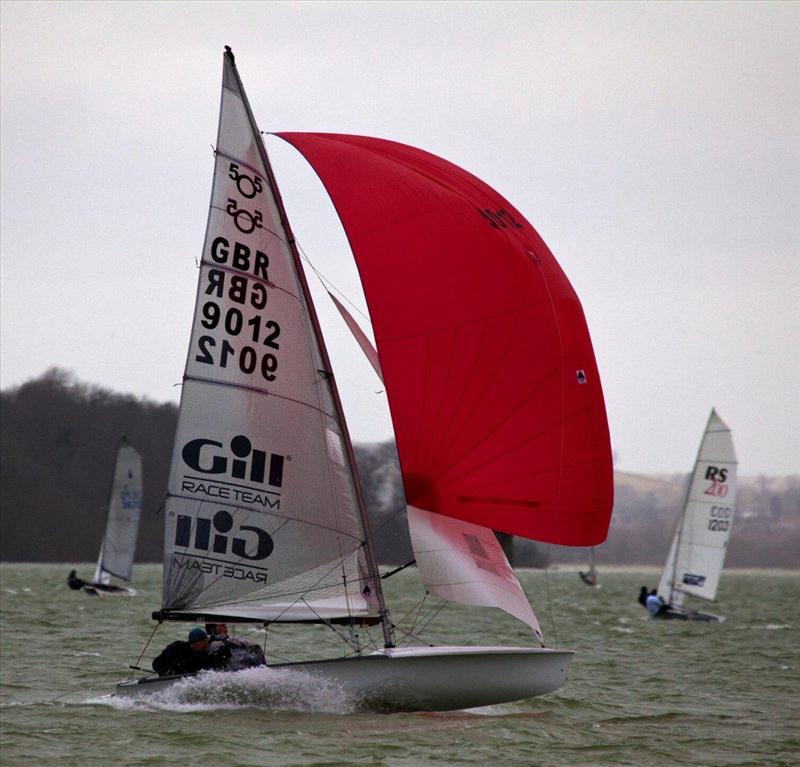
74,582
191,656
243,652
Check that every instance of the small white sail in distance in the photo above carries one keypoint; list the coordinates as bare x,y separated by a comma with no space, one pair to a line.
457,561
698,549
122,524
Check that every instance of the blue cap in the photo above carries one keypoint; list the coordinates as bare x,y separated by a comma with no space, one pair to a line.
197,635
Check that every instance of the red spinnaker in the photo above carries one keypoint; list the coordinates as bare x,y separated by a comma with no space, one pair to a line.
489,369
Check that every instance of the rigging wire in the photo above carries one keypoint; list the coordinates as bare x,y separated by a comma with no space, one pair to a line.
435,610
549,603
327,282
146,645
342,636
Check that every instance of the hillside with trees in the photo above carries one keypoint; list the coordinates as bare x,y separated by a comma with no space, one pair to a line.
58,443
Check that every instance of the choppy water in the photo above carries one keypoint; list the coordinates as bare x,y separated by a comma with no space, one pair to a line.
640,692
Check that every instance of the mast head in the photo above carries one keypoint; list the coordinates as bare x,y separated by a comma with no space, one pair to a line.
229,54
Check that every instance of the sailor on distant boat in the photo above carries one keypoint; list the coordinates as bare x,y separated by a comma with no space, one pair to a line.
90,587
191,656
655,606
74,582
643,596
243,652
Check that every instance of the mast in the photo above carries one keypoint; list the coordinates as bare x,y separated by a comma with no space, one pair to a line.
372,562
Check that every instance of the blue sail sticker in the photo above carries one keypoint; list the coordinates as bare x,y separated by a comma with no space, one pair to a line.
694,580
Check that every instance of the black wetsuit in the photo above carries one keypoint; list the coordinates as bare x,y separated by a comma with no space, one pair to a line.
242,653
179,658
75,583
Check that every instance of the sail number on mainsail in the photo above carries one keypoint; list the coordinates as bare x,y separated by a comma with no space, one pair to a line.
238,326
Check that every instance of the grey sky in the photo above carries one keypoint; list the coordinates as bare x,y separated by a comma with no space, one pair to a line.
654,147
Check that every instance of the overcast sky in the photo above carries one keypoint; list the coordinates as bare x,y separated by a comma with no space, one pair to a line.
654,146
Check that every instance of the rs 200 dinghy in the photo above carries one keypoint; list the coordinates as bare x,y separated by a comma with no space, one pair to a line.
697,554
495,397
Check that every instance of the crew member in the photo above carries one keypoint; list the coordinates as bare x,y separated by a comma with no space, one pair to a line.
654,604
74,582
243,652
191,656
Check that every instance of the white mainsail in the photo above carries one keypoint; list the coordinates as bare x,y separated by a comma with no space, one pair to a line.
122,523
698,549
263,520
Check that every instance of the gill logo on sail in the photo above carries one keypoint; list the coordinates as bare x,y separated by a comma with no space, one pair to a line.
222,523
206,457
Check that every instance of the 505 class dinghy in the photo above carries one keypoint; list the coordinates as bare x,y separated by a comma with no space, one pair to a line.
118,546
697,554
494,392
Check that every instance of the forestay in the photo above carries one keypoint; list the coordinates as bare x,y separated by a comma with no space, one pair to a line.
262,516
494,392
698,549
122,524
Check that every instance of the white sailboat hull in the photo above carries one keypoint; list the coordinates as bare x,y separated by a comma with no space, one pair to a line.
422,678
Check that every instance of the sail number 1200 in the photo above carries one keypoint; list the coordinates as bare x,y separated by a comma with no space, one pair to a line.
247,357
720,518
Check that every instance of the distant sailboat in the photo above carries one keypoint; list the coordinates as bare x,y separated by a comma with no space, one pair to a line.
495,396
590,577
122,526
700,543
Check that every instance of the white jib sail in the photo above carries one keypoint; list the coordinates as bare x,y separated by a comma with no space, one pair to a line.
262,520
464,563
698,549
122,524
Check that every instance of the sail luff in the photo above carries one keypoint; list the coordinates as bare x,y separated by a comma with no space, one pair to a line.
372,563
682,520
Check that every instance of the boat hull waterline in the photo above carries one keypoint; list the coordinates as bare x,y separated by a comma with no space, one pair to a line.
420,678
